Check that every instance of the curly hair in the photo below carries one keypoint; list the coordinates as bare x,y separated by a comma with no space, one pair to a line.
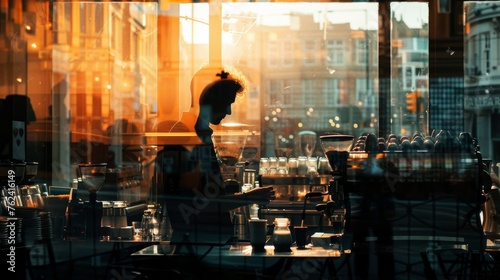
220,92
213,74
237,76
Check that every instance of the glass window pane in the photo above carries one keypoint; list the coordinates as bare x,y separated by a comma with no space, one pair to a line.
313,65
106,83
481,57
409,67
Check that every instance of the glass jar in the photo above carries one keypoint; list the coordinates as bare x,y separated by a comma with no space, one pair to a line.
312,165
282,237
264,166
273,162
282,165
293,166
302,165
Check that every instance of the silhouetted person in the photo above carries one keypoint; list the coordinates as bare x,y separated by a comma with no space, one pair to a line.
195,193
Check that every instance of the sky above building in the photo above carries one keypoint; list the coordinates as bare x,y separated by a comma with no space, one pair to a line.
195,17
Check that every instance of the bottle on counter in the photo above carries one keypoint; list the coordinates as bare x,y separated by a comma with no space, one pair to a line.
147,226
254,211
156,234
74,227
254,208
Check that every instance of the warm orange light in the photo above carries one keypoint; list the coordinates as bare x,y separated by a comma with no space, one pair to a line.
397,43
414,102
358,34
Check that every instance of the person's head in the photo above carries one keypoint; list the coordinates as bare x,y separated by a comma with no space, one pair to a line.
216,99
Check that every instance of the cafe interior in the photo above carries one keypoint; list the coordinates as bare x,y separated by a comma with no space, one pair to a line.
374,123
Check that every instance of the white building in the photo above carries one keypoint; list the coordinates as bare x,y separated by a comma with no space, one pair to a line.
482,70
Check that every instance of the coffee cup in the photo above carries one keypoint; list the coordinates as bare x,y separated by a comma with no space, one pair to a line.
300,236
258,234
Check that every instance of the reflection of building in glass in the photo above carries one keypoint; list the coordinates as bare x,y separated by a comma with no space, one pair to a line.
414,61
107,61
83,66
314,78
482,80
410,62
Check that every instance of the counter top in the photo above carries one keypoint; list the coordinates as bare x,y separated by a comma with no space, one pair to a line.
238,260
244,250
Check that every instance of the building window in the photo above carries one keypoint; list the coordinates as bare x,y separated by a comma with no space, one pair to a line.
279,93
336,52
309,52
287,53
361,52
364,91
473,69
310,91
273,52
479,54
280,54
62,24
331,92
83,18
99,15
486,52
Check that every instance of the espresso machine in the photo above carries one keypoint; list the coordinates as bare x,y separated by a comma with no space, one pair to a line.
416,188
314,199
336,149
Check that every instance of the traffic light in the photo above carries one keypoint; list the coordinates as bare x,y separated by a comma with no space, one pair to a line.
414,102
